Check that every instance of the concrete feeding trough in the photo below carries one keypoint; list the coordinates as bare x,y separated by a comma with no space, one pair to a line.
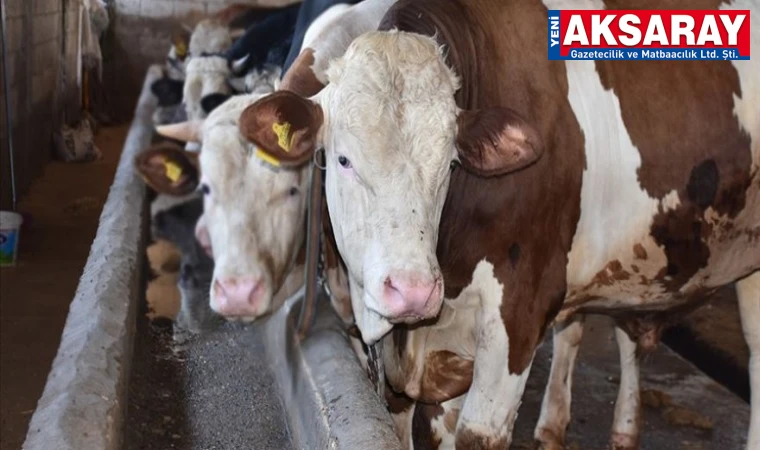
320,390
119,381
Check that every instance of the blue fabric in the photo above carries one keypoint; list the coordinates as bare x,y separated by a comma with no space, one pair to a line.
310,10
270,33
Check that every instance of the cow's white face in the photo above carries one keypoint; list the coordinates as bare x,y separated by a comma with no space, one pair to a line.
389,140
206,85
253,217
390,127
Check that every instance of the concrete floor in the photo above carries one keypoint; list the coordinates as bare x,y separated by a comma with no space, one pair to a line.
64,207
694,412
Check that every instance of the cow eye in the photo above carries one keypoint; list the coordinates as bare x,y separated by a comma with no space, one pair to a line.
344,162
293,191
205,189
453,164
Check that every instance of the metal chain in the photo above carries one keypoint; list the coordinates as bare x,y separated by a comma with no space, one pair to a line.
376,369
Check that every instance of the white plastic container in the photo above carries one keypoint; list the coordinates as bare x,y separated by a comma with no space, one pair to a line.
10,230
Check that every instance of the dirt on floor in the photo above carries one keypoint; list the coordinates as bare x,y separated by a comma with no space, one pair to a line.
61,210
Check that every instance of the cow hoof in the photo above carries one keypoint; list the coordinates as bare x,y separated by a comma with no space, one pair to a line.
548,440
620,441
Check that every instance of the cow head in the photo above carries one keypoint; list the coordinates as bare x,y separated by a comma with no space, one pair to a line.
391,129
253,219
206,85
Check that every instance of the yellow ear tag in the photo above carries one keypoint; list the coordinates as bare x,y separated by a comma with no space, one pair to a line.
282,130
173,170
267,158
181,49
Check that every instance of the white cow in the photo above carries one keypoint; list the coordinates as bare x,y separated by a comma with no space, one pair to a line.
253,216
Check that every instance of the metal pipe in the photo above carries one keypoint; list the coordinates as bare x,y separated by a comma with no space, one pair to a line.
7,92
313,248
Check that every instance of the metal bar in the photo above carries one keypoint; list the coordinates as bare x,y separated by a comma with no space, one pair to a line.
7,92
313,236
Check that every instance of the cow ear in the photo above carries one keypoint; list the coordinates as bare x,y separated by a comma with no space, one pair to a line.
284,126
168,169
495,141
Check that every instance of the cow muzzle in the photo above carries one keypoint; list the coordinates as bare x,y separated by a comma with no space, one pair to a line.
240,298
411,297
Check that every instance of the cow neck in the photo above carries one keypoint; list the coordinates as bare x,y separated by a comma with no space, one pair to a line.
521,223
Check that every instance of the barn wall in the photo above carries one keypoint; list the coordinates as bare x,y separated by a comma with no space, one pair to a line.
140,36
42,53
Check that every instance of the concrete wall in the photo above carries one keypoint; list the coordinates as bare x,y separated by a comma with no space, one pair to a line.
140,35
42,54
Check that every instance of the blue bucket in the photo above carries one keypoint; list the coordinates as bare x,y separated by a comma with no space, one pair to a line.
10,229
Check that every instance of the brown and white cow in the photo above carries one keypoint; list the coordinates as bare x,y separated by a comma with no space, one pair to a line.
622,188
327,38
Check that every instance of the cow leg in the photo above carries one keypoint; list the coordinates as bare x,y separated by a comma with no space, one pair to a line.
555,409
444,425
433,426
491,403
402,410
625,425
748,293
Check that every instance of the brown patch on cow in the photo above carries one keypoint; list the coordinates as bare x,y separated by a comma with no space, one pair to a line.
635,268
471,440
639,251
300,77
450,420
708,166
446,376
423,436
483,216
397,403
514,254
682,232
753,234
612,273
